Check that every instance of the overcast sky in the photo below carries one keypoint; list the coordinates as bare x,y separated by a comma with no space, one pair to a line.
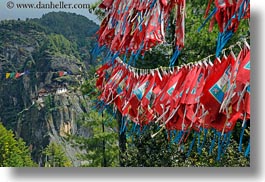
15,13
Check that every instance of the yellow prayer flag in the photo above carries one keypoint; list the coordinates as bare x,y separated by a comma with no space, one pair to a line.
7,75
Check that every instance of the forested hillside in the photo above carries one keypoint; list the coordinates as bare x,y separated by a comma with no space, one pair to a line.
42,66
49,99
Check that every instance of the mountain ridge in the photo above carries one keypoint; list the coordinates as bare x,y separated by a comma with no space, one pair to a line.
42,107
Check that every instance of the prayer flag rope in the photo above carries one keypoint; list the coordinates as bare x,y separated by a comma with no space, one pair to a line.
132,27
135,26
227,14
192,97
17,75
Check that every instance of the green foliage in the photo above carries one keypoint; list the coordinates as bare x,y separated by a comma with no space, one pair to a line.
158,151
96,10
55,156
145,151
32,45
13,153
100,145
56,43
198,45
74,27
79,30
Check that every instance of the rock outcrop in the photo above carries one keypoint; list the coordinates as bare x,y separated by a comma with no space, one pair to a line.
40,106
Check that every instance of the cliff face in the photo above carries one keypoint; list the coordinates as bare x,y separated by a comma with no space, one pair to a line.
40,106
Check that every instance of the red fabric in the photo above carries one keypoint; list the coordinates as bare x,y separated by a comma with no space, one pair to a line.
186,84
182,122
211,99
185,94
181,99
130,24
133,102
61,73
148,94
175,99
118,101
180,23
116,77
231,98
156,94
224,124
208,8
17,75
193,97
102,73
247,103
227,12
196,86
162,96
243,75
106,4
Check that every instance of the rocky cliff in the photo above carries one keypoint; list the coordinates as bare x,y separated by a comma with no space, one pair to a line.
42,105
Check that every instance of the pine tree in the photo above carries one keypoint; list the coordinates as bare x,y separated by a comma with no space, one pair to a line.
55,156
13,152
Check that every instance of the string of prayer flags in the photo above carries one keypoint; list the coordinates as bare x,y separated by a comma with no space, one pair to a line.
64,73
227,14
179,30
14,75
196,96
135,26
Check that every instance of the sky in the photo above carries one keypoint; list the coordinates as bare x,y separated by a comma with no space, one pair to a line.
15,13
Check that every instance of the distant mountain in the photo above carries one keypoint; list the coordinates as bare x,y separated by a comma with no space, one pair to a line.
43,107
74,27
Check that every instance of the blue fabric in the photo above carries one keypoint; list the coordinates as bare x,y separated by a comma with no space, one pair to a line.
131,58
219,134
242,11
125,56
153,4
227,141
223,38
122,125
138,52
199,140
107,57
174,57
241,136
192,143
247,150
200,146
178,137
212,142
115,55
207,19
97,50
